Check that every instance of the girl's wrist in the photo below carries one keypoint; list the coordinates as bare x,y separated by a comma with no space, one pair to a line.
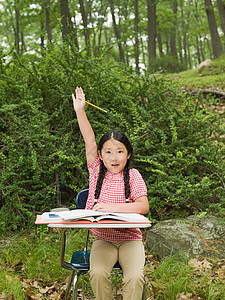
80,109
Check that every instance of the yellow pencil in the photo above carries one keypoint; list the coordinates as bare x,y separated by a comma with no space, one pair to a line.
91,104
96,106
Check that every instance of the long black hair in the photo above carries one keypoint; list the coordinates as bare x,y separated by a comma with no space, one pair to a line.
121,137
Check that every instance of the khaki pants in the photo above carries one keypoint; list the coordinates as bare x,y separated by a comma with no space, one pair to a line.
131,257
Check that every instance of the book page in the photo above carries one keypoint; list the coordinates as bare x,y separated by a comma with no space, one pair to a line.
127,217
79,214
85,214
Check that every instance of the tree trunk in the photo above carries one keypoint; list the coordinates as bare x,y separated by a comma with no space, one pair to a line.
101,19
151,29
221,9
136,46
23,46
208,45
216,43
42,35
85,23
180,49
173,34
65,16
143,53
167,46
17,29
197,38
189,55
67,25
58,193
202,50
117,31
185,26
47,21
185,50
159,39
123,28
198,50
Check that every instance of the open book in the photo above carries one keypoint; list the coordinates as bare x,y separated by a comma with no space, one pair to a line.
90,215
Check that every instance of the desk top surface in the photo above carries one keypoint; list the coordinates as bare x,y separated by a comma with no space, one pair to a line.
100,224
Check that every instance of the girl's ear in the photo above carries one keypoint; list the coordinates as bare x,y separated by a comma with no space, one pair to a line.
128,156
99,154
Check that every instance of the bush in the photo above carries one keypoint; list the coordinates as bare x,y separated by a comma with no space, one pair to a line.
166,64
42,152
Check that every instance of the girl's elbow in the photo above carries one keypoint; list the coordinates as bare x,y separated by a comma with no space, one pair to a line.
145,210
146,206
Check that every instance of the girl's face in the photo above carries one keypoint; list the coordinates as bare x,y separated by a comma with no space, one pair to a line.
114,155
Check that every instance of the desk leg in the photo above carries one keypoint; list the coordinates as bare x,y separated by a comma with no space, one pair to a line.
64,263
69,285
75,284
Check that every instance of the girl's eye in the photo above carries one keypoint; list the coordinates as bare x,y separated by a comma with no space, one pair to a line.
108,152
120,151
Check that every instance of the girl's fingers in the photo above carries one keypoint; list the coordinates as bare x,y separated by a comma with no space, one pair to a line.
79,93
74,99
76,90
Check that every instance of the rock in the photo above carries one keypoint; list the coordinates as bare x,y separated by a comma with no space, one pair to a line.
204,64
195,236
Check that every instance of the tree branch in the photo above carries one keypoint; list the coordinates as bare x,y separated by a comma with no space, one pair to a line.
208,91
219,93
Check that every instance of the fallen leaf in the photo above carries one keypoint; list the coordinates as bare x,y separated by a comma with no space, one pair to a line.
199,265
183,296
35,297
3,296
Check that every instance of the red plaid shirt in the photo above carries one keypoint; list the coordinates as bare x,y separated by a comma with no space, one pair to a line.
113,191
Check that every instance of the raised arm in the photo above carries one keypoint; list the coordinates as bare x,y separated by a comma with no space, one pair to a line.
85,127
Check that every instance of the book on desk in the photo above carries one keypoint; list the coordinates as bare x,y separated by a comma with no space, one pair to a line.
69,216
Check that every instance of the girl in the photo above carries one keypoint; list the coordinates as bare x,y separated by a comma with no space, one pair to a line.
113,187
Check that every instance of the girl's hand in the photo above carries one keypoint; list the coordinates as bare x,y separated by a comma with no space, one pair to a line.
79,101
105,207
139,206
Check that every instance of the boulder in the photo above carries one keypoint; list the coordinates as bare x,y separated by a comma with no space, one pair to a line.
204,64
194,236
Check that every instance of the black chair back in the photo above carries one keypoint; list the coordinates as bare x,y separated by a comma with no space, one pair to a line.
81,199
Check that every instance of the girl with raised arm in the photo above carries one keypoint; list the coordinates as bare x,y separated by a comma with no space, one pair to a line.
113,187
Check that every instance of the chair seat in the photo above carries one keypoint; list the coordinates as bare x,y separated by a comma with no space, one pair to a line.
80,260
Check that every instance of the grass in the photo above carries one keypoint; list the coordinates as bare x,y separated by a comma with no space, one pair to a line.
212,77
35,258
191,80
10,285
30,267
175,276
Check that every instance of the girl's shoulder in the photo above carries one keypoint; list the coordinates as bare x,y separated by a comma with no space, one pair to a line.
137,184
134,172
135,175
95,165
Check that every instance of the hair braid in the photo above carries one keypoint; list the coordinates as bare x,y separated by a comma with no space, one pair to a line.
127,179
100,179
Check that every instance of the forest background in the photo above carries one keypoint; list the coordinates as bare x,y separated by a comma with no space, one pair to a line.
109,48
123,54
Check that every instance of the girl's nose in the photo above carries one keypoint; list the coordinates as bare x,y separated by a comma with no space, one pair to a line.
114,157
